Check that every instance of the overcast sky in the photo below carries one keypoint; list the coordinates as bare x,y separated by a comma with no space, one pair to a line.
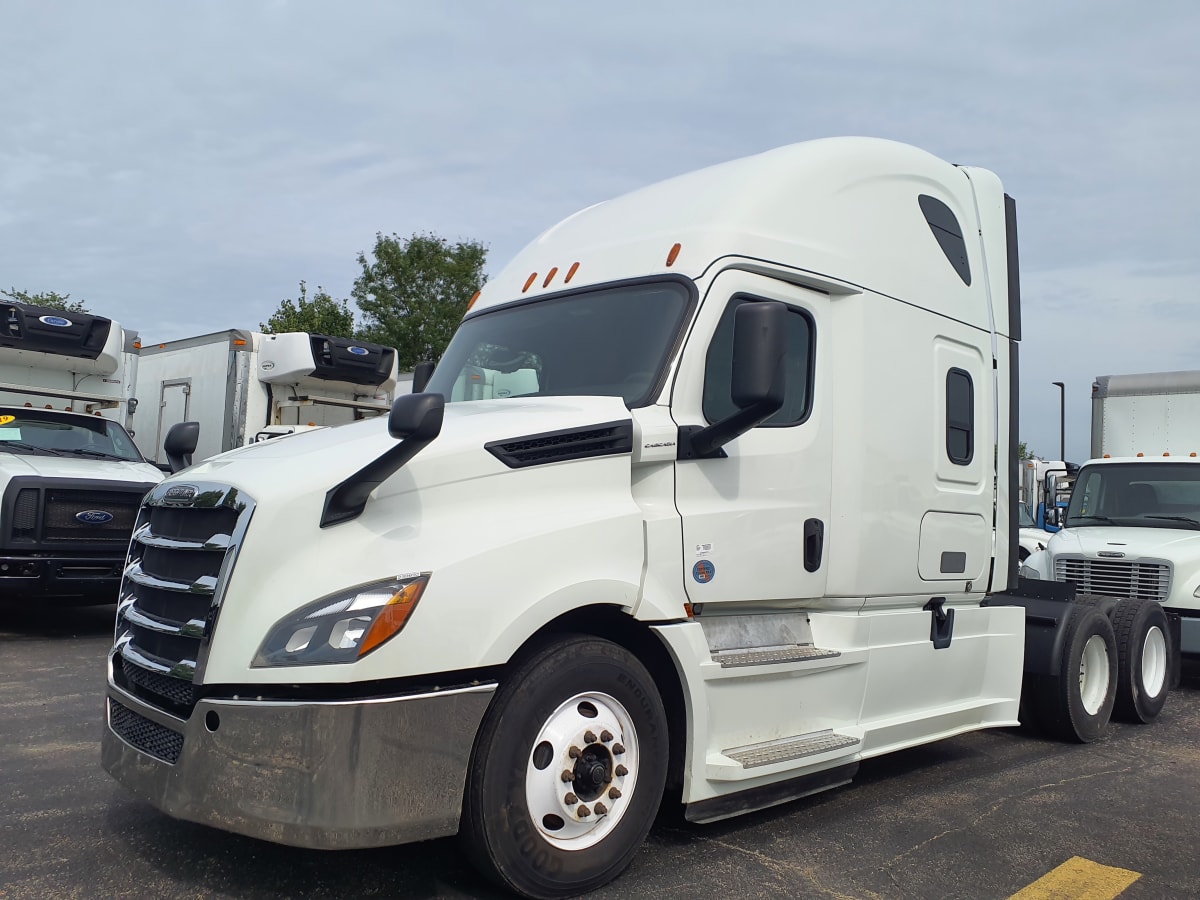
180,167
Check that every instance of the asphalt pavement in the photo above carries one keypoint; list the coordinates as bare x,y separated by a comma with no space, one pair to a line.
979,816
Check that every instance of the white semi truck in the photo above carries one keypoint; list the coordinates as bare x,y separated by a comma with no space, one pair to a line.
1133,524
243,386
634,536
71,479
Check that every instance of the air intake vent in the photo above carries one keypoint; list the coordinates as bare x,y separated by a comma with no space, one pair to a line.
558,446
25,511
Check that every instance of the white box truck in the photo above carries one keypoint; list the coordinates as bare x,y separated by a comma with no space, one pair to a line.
634,535
71,479
243,386
1133,523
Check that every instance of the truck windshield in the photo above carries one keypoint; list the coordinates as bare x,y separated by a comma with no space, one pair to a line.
1149,494
612,342
45,433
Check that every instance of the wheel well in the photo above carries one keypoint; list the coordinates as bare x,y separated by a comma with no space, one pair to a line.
611,624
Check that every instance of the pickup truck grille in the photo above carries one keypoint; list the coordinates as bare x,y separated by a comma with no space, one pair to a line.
1116,577
66,514
182,549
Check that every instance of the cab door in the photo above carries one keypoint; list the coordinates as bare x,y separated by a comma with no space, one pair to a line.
756,521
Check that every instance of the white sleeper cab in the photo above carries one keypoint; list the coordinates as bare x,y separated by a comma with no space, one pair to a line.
630,539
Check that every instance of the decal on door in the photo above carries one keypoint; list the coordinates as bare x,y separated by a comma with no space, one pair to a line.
704,571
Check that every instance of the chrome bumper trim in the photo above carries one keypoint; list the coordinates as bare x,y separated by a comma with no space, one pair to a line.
327,775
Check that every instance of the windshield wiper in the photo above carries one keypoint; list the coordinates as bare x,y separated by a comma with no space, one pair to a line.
24,445
1194,523
1074,520
101,454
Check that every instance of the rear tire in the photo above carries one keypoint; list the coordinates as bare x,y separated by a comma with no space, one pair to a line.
1076,703
568,770
1143,660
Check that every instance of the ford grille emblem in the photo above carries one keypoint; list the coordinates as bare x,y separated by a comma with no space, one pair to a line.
358,351
94,517
56,321
180,493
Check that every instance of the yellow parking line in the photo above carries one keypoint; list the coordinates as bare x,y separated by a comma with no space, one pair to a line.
1079,879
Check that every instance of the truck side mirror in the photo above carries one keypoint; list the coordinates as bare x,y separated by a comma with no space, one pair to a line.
421,375
415,420
180,444
759,378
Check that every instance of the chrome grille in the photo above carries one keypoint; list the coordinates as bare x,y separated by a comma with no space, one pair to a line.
179,557
1132,579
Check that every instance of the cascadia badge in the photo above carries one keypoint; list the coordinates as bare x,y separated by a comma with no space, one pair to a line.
94,516
56,321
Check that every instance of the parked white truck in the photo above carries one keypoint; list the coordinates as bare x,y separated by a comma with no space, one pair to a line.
243,386
71,479
1133,524
635,535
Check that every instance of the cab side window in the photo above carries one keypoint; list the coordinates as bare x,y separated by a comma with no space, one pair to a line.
718,369
960,417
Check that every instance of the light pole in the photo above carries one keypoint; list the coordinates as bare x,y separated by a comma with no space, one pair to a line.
1062,420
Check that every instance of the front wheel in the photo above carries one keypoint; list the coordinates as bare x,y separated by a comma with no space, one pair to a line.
568,770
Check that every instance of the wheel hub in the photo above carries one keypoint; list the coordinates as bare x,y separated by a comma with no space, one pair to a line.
575,803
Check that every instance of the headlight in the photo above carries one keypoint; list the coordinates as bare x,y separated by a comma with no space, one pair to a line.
342,627
1028,572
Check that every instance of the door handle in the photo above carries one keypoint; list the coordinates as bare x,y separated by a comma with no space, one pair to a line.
814,541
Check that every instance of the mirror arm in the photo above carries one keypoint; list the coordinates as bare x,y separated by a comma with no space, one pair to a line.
707,441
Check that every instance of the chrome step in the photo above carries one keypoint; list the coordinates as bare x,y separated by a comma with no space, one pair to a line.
753,755
762,656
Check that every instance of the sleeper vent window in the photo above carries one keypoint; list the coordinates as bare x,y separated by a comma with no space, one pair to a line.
949,234
960,417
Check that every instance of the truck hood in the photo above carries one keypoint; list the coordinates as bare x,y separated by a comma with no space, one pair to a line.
1135,543
454,510
20,464
317,460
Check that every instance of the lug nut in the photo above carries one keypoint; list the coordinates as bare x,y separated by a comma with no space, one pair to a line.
570,799
621,771
618,749
574,752
583,812
590,737
606,736
600,808
568,776
613,794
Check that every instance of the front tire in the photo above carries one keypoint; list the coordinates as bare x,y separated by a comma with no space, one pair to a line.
1143,660
567,771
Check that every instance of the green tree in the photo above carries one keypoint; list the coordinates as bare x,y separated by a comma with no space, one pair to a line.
414,292
320,315
1023,451
53,299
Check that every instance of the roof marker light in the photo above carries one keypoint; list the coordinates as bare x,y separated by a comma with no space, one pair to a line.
137,345
550,276
474,297
571,272
1193,453
1108,456
529,281
671,257
1141,454
1167,453
239,342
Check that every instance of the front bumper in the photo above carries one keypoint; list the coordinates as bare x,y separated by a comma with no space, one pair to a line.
324,775
78,578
